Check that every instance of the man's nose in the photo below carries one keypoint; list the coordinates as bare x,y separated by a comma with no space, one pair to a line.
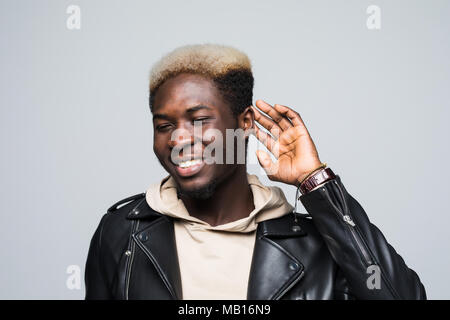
181,137
181,142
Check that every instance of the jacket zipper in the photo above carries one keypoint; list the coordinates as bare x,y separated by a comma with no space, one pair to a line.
352,226
367,257
130,259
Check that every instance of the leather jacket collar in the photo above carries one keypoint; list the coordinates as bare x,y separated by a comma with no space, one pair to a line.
284,269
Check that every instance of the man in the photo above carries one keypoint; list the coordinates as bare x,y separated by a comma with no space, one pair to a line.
210,230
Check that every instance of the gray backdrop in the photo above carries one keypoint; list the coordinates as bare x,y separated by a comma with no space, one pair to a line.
76,132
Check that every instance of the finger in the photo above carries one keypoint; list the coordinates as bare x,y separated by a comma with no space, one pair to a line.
269,142
280,119
267,123
292,115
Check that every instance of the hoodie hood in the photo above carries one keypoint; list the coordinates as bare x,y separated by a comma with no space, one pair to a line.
269,202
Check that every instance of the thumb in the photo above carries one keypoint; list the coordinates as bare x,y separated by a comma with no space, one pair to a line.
266,162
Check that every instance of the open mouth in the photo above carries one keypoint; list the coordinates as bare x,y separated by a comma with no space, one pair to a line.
189,163
189,168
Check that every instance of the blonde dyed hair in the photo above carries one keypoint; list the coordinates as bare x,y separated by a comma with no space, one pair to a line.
211,60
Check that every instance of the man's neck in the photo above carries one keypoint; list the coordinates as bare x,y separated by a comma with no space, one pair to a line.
232,200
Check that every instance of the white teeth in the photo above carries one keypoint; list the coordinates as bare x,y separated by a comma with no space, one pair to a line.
187,164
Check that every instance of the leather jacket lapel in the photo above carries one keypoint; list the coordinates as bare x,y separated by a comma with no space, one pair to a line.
274,270
157,240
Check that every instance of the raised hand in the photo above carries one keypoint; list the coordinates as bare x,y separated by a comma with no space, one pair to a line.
289,141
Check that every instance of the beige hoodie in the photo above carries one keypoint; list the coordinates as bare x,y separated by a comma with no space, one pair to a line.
215,260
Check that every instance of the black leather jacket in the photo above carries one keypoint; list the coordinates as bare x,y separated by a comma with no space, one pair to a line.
329,254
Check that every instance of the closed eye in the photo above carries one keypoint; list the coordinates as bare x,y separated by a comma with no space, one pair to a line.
163,127
202,119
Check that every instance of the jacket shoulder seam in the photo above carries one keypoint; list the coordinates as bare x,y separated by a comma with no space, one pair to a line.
121,203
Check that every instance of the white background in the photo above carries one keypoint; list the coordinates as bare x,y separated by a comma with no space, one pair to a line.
76,132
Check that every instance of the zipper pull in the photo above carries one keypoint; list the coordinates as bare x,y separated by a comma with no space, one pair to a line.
348,220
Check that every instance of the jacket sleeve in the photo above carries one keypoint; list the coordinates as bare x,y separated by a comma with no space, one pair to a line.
96,286
371,266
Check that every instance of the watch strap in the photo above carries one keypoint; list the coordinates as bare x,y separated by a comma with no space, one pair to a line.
317,178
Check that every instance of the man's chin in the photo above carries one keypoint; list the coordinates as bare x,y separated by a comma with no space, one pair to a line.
201,193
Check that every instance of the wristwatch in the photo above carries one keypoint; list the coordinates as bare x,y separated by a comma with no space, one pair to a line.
319,177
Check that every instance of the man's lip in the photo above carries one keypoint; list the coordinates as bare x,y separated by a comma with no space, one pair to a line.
189,171
176,161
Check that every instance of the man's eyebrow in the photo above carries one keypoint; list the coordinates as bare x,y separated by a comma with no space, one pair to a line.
160,116
198,107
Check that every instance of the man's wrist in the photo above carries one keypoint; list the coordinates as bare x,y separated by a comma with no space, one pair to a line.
316,179
316,168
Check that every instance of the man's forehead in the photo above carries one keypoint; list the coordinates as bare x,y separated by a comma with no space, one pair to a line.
187,92
176,109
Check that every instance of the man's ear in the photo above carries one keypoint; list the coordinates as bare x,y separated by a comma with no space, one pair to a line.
247,119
